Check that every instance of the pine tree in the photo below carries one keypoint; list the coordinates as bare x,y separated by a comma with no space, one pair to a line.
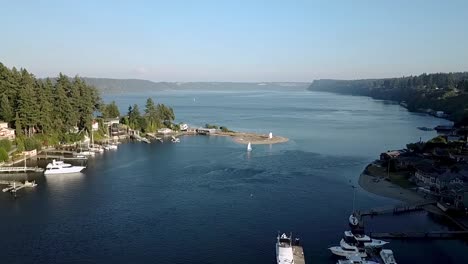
6,111
27,104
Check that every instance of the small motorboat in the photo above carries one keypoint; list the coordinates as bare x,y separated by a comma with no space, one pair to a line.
387,256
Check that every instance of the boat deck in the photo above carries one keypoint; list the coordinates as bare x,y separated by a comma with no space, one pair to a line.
298,255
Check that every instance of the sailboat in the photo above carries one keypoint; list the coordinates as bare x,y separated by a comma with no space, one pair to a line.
249,147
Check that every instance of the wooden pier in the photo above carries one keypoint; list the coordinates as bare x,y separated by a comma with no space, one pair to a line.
59,157
399,209
298,255
422,235
14,186
20,169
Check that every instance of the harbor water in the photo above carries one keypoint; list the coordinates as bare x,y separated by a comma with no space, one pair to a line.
208,200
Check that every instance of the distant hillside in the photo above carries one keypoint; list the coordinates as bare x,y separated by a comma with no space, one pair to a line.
446,92
106,85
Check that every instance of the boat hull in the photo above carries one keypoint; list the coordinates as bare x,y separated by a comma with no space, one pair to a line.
74,169
343,253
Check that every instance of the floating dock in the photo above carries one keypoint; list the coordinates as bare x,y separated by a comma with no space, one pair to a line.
399,209
298,255
20,169
422,235
59,157
14,186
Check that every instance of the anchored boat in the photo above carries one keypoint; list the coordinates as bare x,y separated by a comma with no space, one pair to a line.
59,167
284,249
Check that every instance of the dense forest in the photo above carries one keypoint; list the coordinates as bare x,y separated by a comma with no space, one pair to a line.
51,111
446,92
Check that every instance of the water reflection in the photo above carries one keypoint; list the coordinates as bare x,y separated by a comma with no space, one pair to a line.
60,182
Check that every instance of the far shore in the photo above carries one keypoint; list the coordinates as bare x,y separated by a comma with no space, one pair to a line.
253,138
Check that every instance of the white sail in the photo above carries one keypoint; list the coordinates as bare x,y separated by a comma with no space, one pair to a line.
270,136
249,147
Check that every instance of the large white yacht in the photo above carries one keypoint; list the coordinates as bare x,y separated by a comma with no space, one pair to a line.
347,251
362,240
59,167
284,250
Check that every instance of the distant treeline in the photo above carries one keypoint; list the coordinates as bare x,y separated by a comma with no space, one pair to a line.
446,92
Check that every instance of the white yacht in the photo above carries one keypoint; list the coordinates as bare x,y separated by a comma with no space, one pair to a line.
59,167
110,147
387,256
87,153
96,149
345,250
362,240
284,249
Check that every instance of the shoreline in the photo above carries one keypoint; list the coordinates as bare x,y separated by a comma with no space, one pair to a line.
381,187
240,137
253,138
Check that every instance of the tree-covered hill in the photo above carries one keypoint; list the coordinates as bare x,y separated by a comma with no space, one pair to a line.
107,85
446,92
112,86
34,106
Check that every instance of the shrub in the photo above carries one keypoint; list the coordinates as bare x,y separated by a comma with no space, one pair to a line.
5,144
3,155
32,143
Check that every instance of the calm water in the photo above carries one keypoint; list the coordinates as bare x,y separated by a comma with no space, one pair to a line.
206,200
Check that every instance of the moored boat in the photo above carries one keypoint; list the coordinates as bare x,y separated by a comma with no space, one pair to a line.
387,256
362,240
284,249
59,167
345,250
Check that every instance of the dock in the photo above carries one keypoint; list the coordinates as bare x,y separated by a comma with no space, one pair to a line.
298,255
422,235
14,186
139,138
59,157
20,169
399,209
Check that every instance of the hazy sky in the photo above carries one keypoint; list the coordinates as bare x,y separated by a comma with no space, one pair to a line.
235,40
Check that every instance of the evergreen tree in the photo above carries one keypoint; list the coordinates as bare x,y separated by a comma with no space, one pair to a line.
6,111
27,104
111,110
152,115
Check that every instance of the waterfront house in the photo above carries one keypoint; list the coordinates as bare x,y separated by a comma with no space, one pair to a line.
111,121
448,179
164,130
427,175
95,126
6,132
206,131
392,154
183,127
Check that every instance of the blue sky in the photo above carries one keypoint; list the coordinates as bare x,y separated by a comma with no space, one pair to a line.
235,40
